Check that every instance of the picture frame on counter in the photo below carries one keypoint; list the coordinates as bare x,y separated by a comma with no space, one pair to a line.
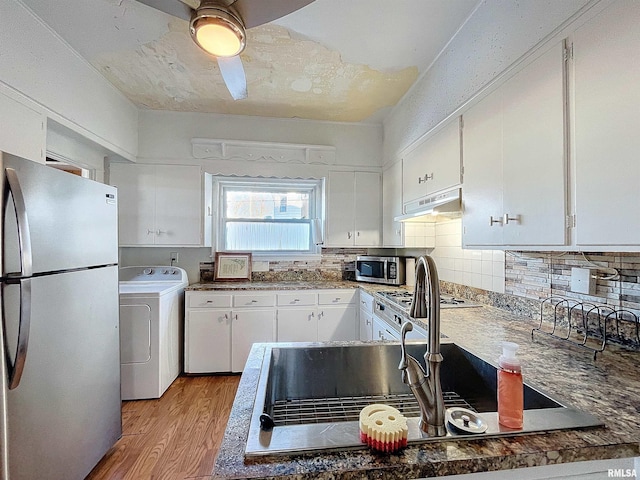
232,267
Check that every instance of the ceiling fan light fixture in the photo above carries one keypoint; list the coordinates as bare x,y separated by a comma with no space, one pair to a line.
217,32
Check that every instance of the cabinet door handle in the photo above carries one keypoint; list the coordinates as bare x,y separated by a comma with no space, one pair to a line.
150,232
494,220
160,232
349,235
368,321
426,177
313,314
506,218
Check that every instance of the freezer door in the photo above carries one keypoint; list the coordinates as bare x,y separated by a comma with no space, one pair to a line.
65,413
72,221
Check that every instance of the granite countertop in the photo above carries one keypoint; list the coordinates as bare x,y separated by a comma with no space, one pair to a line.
608,387
294,285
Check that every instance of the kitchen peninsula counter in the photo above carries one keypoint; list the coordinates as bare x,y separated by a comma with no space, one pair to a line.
608,387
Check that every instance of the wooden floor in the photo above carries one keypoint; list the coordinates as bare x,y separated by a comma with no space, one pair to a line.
175,437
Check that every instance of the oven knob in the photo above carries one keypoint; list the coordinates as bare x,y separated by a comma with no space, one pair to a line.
147,271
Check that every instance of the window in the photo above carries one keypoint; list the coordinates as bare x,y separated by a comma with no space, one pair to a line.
268,215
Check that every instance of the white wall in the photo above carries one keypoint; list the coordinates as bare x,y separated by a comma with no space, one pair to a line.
36,62
167,135
496,35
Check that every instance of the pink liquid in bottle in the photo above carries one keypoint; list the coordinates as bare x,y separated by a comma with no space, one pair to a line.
510,388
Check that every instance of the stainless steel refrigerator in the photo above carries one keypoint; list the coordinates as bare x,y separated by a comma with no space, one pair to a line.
60,404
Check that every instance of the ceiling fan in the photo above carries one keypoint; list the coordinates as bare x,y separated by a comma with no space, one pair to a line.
218,27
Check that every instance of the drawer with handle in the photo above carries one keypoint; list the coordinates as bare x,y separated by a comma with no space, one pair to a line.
208,300
296,299
337,297
254,300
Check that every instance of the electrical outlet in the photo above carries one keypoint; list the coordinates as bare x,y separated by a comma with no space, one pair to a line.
174,258
582,281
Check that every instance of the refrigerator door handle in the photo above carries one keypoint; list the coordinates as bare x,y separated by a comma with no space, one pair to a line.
15,367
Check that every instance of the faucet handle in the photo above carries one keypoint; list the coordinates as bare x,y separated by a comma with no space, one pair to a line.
406,327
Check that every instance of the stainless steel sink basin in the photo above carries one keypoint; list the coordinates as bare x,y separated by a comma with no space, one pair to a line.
314,393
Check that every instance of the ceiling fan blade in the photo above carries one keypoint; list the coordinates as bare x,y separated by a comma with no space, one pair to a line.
171,7
233,74
258,12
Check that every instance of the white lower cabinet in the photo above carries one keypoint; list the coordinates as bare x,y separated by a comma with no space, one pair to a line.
249,327
221,327
218,337
337,313
208,341
365,321
337,323
297,324
383,331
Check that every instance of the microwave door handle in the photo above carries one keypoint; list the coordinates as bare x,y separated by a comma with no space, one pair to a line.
16,367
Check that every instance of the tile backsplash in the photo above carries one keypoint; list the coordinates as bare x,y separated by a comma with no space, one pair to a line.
484,269
334,264
537,275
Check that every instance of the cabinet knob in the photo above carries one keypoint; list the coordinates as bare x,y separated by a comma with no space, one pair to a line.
368,321
506,218
494,220
150,232
349,235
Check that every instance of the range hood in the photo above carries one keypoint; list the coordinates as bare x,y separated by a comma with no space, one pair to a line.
422,210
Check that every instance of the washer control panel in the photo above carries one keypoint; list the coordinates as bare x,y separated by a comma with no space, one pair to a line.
152,274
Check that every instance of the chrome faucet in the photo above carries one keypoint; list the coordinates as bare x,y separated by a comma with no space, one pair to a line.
426,387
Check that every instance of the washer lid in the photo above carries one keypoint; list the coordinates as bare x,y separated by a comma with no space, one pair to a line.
150,288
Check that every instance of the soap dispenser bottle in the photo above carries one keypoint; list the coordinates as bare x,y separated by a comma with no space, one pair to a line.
510,388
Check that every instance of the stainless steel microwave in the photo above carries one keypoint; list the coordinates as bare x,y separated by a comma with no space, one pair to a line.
384,270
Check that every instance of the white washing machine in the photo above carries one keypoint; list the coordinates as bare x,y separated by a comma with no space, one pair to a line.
151,319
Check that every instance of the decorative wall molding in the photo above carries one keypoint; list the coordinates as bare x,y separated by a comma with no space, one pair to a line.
205,148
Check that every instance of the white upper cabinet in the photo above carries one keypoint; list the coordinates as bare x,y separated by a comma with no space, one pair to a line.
22,131
392,206
514,188
353,209
433,164
606,58
159,204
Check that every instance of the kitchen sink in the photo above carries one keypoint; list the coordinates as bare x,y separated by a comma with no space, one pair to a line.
313,394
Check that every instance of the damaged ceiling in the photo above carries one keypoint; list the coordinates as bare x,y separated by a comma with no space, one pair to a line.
337,60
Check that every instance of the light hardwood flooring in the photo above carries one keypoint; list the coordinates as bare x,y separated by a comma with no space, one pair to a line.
175,437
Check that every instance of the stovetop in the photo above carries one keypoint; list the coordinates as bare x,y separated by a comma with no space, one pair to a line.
402,300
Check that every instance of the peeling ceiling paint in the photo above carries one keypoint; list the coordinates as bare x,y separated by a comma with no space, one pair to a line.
172,73
331,60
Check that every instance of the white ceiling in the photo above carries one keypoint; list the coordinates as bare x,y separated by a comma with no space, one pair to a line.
342,60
